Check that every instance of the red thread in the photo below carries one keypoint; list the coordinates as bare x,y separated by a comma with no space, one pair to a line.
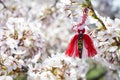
84,17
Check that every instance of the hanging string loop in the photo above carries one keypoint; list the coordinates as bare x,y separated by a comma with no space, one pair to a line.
80,27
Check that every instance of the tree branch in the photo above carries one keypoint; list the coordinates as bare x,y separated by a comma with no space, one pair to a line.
3,4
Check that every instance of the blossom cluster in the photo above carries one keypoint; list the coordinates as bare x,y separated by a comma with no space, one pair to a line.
59,67
107,41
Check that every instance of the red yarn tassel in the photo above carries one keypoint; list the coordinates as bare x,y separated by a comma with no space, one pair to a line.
89,46
72,49
85,44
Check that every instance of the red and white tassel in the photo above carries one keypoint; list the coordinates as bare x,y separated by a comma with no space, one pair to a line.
88,49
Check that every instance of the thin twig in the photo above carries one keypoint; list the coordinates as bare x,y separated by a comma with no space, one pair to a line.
90,6
96,17
3,4
117,42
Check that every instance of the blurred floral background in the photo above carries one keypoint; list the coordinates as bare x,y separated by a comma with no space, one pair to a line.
34,35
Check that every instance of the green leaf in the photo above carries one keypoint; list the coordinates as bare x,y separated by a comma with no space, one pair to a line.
21,76
96,71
